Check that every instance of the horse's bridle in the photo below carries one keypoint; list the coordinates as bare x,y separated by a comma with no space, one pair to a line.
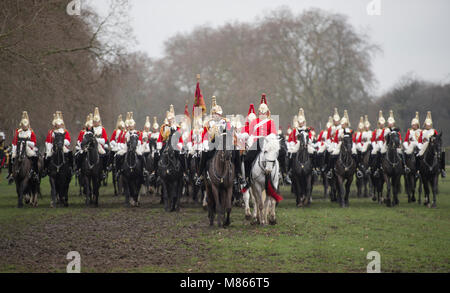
58,151
88,146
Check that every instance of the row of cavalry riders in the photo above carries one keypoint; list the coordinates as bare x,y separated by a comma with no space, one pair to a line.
217,166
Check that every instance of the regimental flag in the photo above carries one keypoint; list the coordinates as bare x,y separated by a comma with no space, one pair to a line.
199,101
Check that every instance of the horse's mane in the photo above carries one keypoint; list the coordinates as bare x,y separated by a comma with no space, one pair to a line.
271,144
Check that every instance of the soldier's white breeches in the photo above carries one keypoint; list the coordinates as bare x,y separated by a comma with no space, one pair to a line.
423,148
322,148
354,149
311,149
409,148
101,150
375,148
381,147
336,148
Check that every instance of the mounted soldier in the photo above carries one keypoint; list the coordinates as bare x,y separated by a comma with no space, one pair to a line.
337,141
146,136
378,144
116,135
26,133
294,144
78,151
390,128
424,140
59,127
210,133
102,139
411,142
125,139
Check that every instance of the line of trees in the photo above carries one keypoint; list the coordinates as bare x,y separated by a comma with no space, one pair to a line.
316,60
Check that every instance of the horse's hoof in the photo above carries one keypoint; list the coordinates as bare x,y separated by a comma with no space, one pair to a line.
374,198
254,221
273,222
434,205
248,217
413,199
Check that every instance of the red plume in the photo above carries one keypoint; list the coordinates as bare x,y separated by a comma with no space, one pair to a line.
264,99
251,109
186,111
199,101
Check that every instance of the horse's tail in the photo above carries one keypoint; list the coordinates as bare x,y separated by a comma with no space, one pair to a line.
271,191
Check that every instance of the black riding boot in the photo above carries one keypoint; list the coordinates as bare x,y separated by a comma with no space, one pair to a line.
70,157
203,160
34,174
332,162
104,166
238,168
403,156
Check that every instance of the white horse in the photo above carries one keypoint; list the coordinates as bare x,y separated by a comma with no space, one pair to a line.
266,163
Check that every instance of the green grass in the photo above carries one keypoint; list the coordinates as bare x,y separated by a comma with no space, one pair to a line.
320,238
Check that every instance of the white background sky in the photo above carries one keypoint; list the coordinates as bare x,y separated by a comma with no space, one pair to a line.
413,34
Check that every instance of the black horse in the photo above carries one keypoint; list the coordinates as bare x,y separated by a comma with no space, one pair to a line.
363,182
430,168
302,167
26,186
345,169
412,176
170,172
91,168
60,172
393,167
132,171
220,174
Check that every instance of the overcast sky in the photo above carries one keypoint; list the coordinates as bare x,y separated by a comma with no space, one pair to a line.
413,34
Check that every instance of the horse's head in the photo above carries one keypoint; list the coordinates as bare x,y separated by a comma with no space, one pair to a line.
302,137
21,149
393,140
133,142
58,142
347,141
270,151
436,144
89,140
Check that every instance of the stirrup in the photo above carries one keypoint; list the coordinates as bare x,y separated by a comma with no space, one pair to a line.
330,174
359,174
443,174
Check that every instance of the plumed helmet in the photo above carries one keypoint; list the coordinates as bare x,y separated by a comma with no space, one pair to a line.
415,120
391,119
301,116
336,116
366,122
381,119
25,121
97,115
428,120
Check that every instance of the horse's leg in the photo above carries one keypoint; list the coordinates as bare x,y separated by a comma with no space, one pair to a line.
408,184
246,197
359,186
426,191
165,196
19,191
96,186
434,188
272,216
228,205
413,187
325,186
348,184
397,188
340,190
420,189
52,192
211,204
388,189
